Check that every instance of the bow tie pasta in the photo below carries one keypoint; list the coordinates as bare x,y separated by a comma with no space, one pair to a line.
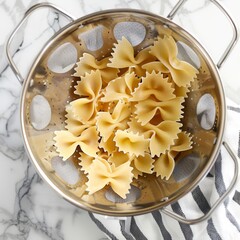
165,50
125,121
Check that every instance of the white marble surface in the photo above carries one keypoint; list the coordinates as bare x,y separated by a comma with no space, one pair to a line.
29,209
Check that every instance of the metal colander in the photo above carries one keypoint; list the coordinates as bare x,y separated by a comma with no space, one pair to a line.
49,88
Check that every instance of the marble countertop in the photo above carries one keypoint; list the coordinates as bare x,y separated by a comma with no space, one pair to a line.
29,208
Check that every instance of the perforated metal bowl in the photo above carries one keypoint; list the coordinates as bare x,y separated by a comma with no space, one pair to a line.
49,87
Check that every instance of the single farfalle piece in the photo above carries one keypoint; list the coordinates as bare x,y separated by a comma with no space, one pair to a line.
107,123
103,173
66,143
88,89
162,136
164,165
144,164
88,63
123,56
149,109
73,125
153,86
121,88
131,143
165,50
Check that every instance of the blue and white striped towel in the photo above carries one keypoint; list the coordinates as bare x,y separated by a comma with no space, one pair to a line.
224,222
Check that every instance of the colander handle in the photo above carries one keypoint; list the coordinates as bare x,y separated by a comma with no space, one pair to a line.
233,25
219,200
24,19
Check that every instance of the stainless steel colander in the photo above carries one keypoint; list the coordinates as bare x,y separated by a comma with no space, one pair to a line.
49,87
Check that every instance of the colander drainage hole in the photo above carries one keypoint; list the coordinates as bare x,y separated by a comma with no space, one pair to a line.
40,112
206,111
133,195
187,54
93,38
185,167
65,170
134,32
63,58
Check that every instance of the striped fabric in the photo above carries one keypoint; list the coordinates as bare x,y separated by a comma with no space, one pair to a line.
225,221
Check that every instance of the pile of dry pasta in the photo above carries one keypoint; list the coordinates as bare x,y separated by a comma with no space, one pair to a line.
127,117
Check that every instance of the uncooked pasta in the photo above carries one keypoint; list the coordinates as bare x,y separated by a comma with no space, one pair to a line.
126,121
